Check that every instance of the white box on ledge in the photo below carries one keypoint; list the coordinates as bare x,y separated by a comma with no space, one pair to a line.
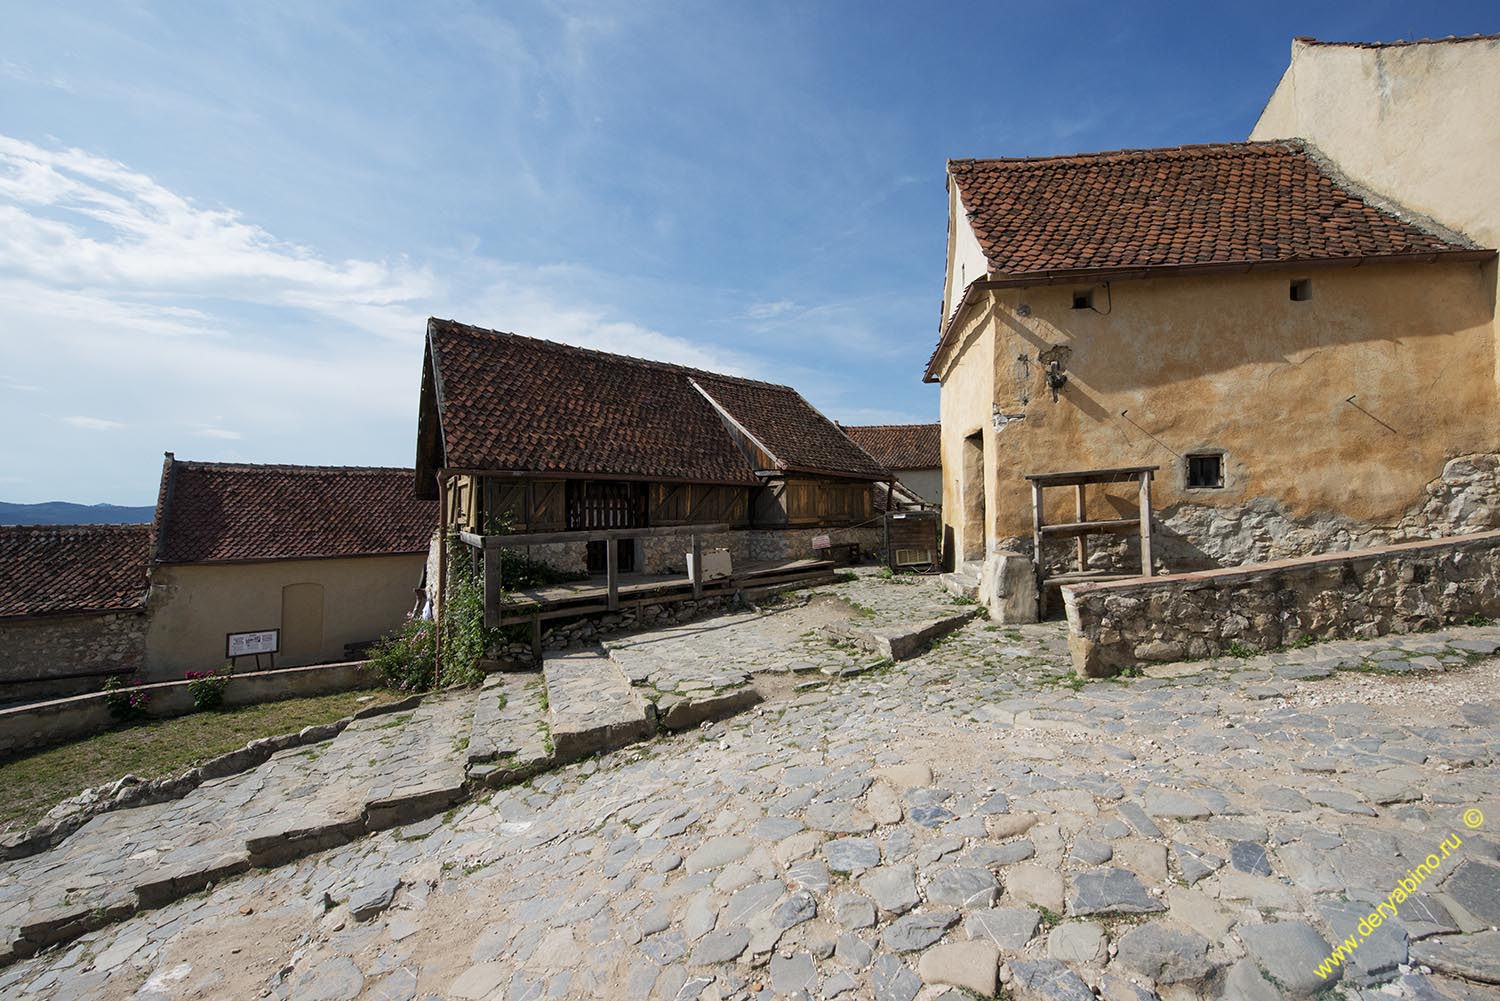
715,564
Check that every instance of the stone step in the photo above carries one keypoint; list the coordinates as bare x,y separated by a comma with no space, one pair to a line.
904,641
592,706
962,583
509,739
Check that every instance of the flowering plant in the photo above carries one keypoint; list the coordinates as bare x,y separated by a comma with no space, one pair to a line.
126,700
207,687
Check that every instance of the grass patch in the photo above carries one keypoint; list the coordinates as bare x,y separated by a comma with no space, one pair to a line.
155,749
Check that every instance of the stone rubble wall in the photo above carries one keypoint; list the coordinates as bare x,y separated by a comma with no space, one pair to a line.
37,654
1402,588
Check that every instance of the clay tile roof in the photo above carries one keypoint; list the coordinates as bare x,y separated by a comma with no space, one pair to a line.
1250,202
1445,40
60,569
899,446
211,511
518,404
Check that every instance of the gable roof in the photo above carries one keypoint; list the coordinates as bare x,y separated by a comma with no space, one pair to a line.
900,446
217,512
1228,203
501,402
71,569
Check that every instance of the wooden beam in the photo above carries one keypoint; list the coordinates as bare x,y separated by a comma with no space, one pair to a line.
599,535
697,566
1038,522
1145,523
612,572
1082,541
492,587
1076,529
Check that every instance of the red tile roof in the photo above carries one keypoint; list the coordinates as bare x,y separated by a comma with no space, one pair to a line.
1445,40
1251,202
213,512
899,446
61,569
501,402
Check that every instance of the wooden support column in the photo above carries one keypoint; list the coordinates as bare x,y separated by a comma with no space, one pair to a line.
536,640
492,587
1145,512
612,571
697,567
1038,520
1082,541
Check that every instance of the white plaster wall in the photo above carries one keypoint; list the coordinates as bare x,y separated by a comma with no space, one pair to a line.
966,260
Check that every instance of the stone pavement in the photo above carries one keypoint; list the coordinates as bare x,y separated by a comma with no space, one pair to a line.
974,819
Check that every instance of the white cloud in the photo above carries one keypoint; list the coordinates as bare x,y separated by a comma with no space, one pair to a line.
769,310
223,433
92,423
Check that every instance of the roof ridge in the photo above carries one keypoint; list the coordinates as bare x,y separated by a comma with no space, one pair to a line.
1245,145
917,424
1400,42
287,467
611,355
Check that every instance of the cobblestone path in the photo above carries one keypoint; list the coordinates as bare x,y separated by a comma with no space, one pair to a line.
975,819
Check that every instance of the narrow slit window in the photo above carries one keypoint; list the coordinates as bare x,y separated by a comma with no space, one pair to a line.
1301,290
1084,299
1206,471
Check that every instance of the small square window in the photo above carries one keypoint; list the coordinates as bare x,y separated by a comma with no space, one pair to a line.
1301,290
1206,471
1084,299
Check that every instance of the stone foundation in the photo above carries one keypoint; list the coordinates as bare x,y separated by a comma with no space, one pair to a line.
56,656
1361,594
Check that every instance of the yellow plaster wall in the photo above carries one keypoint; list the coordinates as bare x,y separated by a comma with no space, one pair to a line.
1231,363
964,408
193,606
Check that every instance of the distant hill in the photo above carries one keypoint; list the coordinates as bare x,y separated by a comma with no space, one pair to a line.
65,513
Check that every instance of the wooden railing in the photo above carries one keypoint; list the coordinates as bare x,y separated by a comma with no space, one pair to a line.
490,546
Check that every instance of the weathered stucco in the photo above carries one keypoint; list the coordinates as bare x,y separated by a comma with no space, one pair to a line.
193,606
1371,592
925,483
966,260
964,407
1164,368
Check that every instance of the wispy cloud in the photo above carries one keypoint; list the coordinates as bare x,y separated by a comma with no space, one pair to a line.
92,424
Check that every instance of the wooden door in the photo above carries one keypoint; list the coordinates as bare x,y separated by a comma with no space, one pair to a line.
301,624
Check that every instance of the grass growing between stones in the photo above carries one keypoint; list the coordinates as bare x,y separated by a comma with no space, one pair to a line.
154,749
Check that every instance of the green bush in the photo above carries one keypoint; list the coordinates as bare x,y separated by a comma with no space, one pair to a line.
123,699
405,659
207,687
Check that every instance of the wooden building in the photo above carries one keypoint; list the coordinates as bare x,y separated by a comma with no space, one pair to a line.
522,437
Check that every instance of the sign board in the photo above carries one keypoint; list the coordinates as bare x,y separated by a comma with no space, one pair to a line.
251,644
822,542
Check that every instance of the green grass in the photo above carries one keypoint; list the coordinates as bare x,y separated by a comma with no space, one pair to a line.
154,749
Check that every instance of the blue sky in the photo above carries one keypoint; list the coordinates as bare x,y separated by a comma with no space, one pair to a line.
223,225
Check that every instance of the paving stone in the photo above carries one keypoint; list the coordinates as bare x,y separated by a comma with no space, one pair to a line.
893,980
1249,857
1047,980
1111,891
964,887
892,887
1165,954
1035,884
972,966
853,911
883,805
853,952
809,874
375,896
851,854
790,974
1008,928
1380,951
917,931
1476,887
1091,852
1008,853
1473,957
1195,863
716,853
479,982
720,946
1077,942
1288,952
799,907
336,979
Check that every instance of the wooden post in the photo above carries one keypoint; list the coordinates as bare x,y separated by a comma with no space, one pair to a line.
440,597
697,567
1083,542
1145,512
1038,519
612,571
536,639
492,586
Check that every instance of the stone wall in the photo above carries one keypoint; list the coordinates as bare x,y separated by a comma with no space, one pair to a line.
1392,589
796,543
38,655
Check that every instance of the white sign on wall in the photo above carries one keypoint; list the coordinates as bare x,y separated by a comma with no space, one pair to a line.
821,542
250,644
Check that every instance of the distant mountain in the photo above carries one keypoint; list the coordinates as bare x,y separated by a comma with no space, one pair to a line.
65,513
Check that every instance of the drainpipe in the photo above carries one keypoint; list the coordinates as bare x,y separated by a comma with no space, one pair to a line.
439,599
